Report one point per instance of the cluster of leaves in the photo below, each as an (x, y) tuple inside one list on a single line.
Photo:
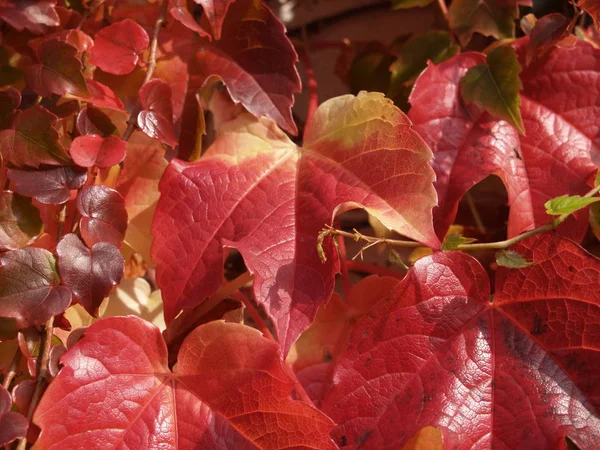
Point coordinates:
[(141, 142)]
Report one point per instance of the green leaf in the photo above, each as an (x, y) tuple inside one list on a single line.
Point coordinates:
[(435, 46), (453, 241), (567, 204), (488, 17), (20, 221), (395, 258), (407, 4), (495, 86), (511, 259), (597, 179), (370, 69)]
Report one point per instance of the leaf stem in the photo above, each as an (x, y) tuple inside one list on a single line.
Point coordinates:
[(372, 240), (43, 375), (476, 217), (344, 266), (132, 121), (359, 266), (12, 369), (443, 8), (88, 12)]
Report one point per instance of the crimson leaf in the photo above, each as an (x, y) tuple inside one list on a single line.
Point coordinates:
[(118, 47), (29, 290), (10, 99), (51, 187), (205, 403), (32, 140), (512, 373), (103, 215), (257, 191), (59, 71), (89, 273), (262, 76)]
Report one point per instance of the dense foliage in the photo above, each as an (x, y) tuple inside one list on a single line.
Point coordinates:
[(152, 163)]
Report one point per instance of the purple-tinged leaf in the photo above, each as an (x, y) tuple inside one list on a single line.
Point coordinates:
[(29, 287), (12, 424), (156, 117), (103, 215), (50, 187), (89, 273)]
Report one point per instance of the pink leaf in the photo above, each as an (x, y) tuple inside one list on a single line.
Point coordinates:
[(94, 150), (118, 47)]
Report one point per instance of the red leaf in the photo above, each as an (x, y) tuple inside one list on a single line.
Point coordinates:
[(156, 117), (229, 390), (29, 290), (312, 356), (32, 140), (10, 99), (20, 221), (101, 96), (51, 187), (103, 215), (555, 156), (512, 373), (256, 191), (91, 120), (34, 15), (215, 11), (256, 61), (89, 273), (12, 424), (59, 71), (118, 47), (138, 184), (180, 12), (76, 38), (94, 150)]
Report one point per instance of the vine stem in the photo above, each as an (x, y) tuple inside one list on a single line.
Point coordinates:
[(372, 240), (12, 370), (255, 314), (184, 323), (132, 121), (443, 8), (43, 375)]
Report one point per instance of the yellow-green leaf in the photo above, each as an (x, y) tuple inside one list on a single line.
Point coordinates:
[(567, 204), (495, 86)]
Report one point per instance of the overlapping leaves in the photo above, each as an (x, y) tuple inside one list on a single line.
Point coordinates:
[(515, 372), (228, 389), (556, 156)]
